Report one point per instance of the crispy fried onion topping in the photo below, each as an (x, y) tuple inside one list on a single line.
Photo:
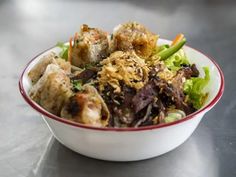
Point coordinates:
[(124, 67)]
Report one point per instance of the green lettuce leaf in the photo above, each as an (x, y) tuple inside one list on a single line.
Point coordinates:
[(77, 85), (175, 61), (64, 50), (193, 88)]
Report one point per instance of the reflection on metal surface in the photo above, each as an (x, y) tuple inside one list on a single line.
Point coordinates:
[(36, 169), (31, 8)]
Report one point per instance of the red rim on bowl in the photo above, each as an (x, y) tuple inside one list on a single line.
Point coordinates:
[(46, 113)]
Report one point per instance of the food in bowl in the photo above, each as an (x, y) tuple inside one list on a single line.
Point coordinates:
[(119, 80), (62, 78)]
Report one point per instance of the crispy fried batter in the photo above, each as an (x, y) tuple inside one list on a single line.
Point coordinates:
[(90, 45), (134, 36)]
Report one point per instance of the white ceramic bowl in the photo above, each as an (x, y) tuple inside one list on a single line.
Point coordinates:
[(128, 144)]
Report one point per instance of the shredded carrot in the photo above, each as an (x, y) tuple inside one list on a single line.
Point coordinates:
[(177, 39), (76, 36), (70, 50)]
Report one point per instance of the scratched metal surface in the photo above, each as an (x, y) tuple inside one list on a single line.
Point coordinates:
[(27, 27)]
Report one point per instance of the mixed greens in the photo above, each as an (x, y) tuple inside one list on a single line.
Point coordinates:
[(174, 58), (194, 89)]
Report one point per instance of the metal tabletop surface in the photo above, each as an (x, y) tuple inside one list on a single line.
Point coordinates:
[(27, 27)]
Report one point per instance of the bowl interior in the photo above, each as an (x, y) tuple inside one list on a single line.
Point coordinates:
[(214, 87)]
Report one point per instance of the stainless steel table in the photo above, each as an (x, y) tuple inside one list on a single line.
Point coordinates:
[(27, 27)]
